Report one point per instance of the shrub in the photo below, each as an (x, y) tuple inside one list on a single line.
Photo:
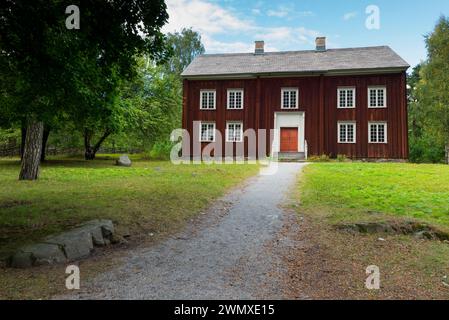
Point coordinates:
[(161, 150)]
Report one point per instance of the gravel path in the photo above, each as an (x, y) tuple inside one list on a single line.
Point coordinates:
[(228, 255)]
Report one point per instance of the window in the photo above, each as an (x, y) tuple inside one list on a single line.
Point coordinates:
[(346, 98), (377, 97), (346, 132), (207, 99), (234, 132), (207, 132), (235, 99), (377, 132), (289, 98)]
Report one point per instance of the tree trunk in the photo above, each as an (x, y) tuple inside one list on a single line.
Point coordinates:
[(91, 151), (44, 142), (32, 151), (22, 144)]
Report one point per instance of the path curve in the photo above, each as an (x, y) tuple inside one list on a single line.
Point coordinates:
[(229, 256)]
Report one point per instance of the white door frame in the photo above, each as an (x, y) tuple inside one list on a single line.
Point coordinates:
[(288, 120)]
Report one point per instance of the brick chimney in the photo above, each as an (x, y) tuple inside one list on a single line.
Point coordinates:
[(320, 44), (259, 47)]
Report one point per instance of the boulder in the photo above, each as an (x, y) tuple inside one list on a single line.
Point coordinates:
[(123, 161), (68, 246), (36, 255)]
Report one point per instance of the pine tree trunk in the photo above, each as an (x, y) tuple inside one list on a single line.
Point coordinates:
[(44, 142), (22, 143), (32, 151)]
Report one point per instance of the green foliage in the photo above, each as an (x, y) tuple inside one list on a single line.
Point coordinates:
[(161, 150), (429, 99), (185, 45), (321, 158), (342, 158)]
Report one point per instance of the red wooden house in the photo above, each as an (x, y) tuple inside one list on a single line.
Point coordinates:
[(338, 101)]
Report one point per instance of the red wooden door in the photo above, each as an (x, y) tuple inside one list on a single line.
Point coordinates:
[(289, 139)]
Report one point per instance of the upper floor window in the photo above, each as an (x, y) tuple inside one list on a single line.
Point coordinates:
[(377, 97), (207, 99), (377, 132), (235, 99), (234, 132), (346, 98), (207, 131), (346, 132), (289, 98)]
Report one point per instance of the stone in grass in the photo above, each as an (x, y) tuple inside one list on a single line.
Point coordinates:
[(76, 244), (101, 231), (123, 161), (36, 255)]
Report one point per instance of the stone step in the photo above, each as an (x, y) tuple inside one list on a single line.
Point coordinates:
[(291, 156)]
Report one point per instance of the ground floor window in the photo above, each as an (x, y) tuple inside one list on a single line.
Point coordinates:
[(377, 132), (207, 132), (234, 132), (346, 132)]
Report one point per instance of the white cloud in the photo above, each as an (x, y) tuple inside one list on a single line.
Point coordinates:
[(203, 17), (280, 12), (349, 15), (256, 11), (215, 22)]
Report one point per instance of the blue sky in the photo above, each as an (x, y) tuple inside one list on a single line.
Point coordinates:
[(233, 25)]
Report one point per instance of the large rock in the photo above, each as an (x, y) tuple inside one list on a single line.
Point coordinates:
[(37, 254), (68, 246), (123, 161)]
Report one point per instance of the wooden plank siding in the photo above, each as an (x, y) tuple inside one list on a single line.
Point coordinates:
[(318, 99)]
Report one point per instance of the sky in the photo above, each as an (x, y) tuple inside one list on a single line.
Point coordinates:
[(233, 25)]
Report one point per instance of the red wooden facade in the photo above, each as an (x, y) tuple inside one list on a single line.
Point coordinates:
[(318, 102)]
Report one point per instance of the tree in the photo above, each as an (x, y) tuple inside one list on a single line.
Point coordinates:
[(185, 45), (57, 71), (433, 87)]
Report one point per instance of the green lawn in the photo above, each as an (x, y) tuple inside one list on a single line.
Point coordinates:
[(354, 191), (148, 197)]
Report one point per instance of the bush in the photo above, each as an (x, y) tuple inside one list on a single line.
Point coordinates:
[(161, 150), (342, 158), (322, 158)]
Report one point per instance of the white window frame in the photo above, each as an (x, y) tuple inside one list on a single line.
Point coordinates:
[(297, 98), (201, 132), (377, 132), (346, 89), (339, 124), (227, 131), (229, 99), (384, 88), (208, 91)]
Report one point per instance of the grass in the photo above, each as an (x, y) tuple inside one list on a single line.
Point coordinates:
[(155, 197), (334, 193), (364, 190)]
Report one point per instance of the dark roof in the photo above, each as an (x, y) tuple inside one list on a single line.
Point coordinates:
[(311, 61)]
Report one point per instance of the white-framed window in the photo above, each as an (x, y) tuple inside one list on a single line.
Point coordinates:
[(207, 131), (377, 132), (377, 97), (346, 98), (289, 98), (234, 132), (347, 132), (235, 99), (207, 99)]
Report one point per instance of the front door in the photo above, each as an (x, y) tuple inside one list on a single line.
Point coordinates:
[(289, 139)]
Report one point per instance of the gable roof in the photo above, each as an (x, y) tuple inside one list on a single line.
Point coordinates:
[(291, 62)]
